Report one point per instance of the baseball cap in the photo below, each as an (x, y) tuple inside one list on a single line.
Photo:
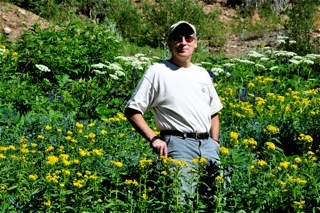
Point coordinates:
[(187, 24)]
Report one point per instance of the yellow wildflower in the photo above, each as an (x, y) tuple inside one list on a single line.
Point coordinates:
[(250, 84), (199, 160), (281, 98), (92, 135), (145, 162), (84, 152), (40, 137), (284, 164), (78, 183), (299, 204), (47, 127), (91, 124), (282, 183), (33, 177), (271, 129), (270, 145), (69, 132), (234, 138), (47, 203), (262, 163), (59, 130), (66, 172), (23, 140), (219, 178), (224, 150), (260, 101), (305, 138), (79, 125), (116, 163), (33, 145), (2, 156), (103, 132), (52, 178), (97, 152), (310, 153), (298, 160), (49, 148), (144, 196), (250, 143), (164, 173), (51, 160)]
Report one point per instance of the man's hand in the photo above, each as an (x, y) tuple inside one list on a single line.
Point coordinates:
[(160, 147)]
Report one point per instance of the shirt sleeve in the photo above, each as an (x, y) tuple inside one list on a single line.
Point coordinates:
[(143, 95), (215, 103)]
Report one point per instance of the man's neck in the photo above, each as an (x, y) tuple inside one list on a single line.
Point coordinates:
[(180, 63)]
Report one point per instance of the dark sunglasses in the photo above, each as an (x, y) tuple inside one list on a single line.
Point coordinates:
[(179, 38)]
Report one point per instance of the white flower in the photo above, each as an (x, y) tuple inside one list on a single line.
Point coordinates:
[(99, 72), (293, 61), (156, 58), (273, 68), (2, 51), (292, 42), (144, 59), (285, 53), (114, 77), (260, 65), (264, 59), (206, 63), (139, 55), (280, 41), (115, 67), (217, 70), (307, 61), (255, 54), (119, 73), (247, 61), (43, 68), (282, 37), (228, 64), (98, 66), (297, 57), (312, 56)]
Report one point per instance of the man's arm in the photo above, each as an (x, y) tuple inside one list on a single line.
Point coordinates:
[(215, 127), (140, 125)]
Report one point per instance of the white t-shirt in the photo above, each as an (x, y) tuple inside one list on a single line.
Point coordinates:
[(183, 99)]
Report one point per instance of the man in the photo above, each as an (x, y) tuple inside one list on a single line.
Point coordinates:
[(184, 101)]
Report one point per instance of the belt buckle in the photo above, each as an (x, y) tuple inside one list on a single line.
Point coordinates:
[(196, 136)]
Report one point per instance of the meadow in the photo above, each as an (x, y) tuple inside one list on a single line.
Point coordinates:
[(67, 147)]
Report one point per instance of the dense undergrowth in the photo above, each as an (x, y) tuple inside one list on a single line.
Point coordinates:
[(66, 146)]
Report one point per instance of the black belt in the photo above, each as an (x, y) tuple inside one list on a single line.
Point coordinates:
[(185, 135)]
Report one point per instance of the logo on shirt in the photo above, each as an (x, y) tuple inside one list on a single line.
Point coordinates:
[(204, 88)]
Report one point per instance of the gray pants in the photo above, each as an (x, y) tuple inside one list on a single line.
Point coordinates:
[(187, 149)]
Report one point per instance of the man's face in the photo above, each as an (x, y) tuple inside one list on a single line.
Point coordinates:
[(182, 43)]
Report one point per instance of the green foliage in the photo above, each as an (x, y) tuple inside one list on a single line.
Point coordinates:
[(168, 12), (65, 146), (301, 18), (53, 10), (70, 50)]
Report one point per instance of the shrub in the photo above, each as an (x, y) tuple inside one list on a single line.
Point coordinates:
[(70, 50)]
